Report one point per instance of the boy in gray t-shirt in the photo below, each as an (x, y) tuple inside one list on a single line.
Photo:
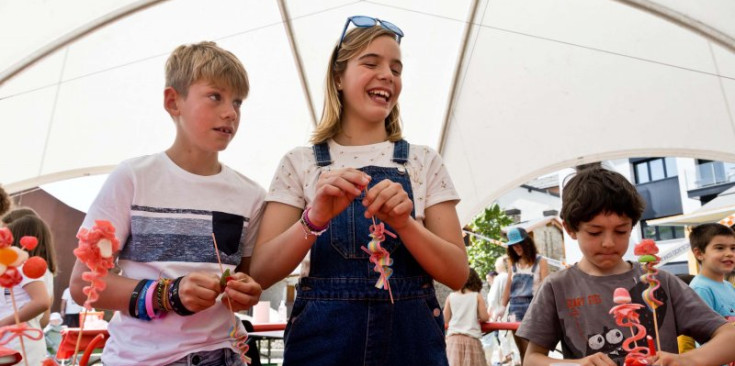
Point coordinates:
[(599, 209)]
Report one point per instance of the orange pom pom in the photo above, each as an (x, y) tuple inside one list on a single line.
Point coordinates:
[(35, 267), (8, 256)]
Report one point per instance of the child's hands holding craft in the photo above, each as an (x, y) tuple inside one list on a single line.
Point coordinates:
[(390, 203), (199, 290), (242, 291)]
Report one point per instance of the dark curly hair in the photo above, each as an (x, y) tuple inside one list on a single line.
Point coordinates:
[(474, 283), (594, 190)]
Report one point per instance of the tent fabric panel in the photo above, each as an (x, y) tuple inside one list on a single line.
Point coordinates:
[(544, 97), (603, 25)]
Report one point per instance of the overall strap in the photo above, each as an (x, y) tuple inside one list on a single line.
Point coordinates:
[(400, 151), (321, 154), (535, 264)]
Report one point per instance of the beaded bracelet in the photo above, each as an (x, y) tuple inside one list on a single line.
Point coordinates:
[(133, 305), (309, 227)]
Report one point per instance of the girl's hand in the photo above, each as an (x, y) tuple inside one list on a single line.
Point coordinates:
[(199, 291), (242, 292), (335, 190), (389, 203)]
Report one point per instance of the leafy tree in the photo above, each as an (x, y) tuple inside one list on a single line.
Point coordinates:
[(482, 253)]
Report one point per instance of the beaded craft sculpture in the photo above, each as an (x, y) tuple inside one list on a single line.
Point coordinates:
[(647, 251), (626, 315), (11, 258), (95, 249)]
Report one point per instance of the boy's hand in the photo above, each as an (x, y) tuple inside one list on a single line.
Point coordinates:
[(335, 190), (389, 203), (670, 359), (242, 292), (199, 290), (598, 359)]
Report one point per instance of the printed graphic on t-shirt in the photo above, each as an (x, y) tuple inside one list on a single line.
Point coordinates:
[(609, 340)]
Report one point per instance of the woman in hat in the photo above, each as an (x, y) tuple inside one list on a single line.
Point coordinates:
[(528, 270)]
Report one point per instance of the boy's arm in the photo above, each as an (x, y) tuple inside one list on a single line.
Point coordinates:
[(538, 356), (718, 351), (197, 290)]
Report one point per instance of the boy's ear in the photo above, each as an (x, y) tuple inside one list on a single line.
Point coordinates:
[(569, 230), (171, 101), (697, 254)]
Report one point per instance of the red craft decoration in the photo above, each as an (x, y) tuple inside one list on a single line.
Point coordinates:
[(95, 250)]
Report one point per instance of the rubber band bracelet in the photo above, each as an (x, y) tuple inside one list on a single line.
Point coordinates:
[(175, 300), (133, 305), (309, 227), (142, 315), (149, 301)]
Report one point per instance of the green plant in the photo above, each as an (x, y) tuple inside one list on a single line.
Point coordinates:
[(485, 245)]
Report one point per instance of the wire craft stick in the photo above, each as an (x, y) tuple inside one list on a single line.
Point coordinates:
[(239, 337)]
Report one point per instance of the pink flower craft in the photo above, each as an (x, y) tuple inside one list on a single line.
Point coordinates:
[(380, 257), (96, 247), (626, 315)]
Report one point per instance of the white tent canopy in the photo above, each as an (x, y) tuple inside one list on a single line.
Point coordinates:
[(506, 90)]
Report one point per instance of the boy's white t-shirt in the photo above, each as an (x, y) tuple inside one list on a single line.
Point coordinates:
[(35, 349), (294, 182), (164, 217)]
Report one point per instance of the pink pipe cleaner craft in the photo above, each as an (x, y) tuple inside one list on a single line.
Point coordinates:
[(34, 267), (626, 315), (95, 249), (239, 338), (379, 256), (647, 251)]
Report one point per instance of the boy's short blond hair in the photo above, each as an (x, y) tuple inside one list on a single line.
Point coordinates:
[(190, 63)]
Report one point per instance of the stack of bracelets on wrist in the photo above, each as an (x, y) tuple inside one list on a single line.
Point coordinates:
[(309, 227), (163, 292)]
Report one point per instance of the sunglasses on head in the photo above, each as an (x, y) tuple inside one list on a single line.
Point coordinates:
[(362, 21)]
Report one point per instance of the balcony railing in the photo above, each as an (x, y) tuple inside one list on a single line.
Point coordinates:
[(710, 174)]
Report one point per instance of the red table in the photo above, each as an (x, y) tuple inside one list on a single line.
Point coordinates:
[(488, 327), (69, 340)]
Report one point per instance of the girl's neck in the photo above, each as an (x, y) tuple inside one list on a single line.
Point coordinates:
[(355, 133)]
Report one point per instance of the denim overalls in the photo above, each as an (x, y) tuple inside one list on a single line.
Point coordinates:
[(339, 318), (521, 291)]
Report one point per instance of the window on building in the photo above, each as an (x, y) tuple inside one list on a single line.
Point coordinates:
[(662, 232), (655, 169)]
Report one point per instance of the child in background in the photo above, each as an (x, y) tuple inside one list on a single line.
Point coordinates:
[(496, 311), (599, 209), (714, 247), (322, 203), (165, 208), (32, 296), (463, 312), (528, 271), (52, 333)]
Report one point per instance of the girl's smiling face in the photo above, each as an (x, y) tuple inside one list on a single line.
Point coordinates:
[(371, 82)]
